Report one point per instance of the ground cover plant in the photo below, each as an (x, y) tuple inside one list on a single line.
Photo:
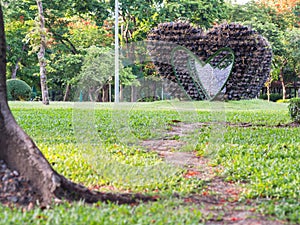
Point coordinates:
[(255, 148)]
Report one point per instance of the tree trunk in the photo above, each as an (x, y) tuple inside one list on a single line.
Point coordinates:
[(105, 93), (282, 83), (267, 85), (133, 93), (20, 153), (281, 78), (154, 89), (268, 92), (121, 92), (66, 96), (91, 91), (15, 69), (41, 55)]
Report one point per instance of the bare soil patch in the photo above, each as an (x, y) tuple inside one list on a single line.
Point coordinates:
[(220, 199)]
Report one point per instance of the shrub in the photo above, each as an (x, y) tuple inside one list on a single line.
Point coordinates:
[(294, 109), (273, 97), (149, 99), (18, 90)]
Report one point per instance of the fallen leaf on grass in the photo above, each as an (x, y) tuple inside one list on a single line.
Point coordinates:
[(190, 174), (188, 200), (205, 193), (235, 219), (232, 191)]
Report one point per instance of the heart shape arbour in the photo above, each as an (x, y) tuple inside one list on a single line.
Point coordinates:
[(252, 53), (209, 77)]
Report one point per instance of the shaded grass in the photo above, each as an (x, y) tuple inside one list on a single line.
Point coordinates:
[(162, 212)]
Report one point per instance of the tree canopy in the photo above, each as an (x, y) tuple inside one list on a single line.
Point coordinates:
[(75, 26)]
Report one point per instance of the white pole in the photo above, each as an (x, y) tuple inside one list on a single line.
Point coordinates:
[(117, 80)]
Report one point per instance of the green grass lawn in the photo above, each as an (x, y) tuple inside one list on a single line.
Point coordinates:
[(98, 145)]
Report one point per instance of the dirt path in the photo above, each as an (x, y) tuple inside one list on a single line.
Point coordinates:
[(219, 200)]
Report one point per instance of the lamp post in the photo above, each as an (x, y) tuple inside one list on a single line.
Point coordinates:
[(117, 78)]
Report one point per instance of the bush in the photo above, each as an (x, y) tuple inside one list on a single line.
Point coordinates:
[(273, 97), (294, 109), (18, 90), (149, 99)]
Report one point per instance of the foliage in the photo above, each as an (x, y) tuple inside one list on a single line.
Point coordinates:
[(137, 18), (86, 33), (294, 109), (17, 47), (18, 90), (203, 13), (64, 70), (98, 70), (293, 49), (149, 99), (278, 27), (77, 25), (273, 97), (20, 18), (281, 6)]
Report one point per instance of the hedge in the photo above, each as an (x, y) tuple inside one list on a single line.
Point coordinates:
[(18, 90), (294, 109)]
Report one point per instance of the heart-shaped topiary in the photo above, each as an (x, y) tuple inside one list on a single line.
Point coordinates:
[(209, 77), (252, 57)]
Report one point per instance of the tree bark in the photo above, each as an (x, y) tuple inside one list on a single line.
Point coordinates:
[(20, 153), (282, 81), (268, 84), (68, 90), (15, 69), (268, 92), (121, 92), (41, 55), (105, 93), (91, 90), (133, 93)]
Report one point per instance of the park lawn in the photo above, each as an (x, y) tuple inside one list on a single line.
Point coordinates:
[(79, 139)]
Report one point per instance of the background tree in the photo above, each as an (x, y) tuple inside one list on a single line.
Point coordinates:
[(41, 54), (203, 13), (66, 62), (97, 72), (64, 71), (59, 18), (275, 25), (76, 25), (17, 48)]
